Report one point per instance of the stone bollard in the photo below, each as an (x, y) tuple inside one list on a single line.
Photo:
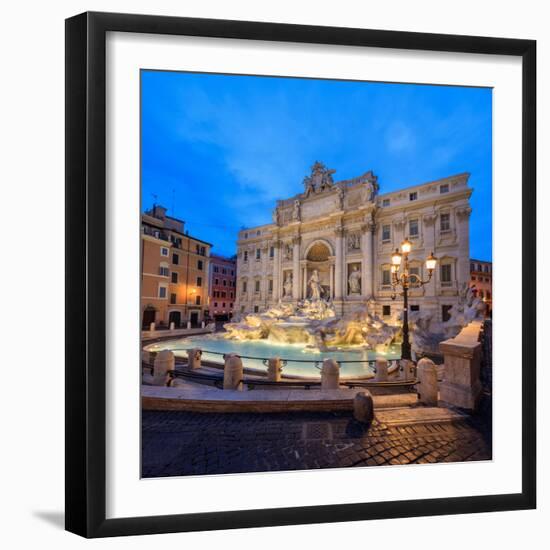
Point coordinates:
[(427, 381), (194, 358), (381, 370), (274, 369), (164, 362), (172, 325), (202, 324), (188, 325), (409, 370), (363, 407), (330, 375), (233, 373), (152, 327)]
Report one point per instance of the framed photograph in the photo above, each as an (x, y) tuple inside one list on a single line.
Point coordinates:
[(299, 274)]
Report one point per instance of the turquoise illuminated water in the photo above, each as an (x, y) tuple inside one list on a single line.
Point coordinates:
[(260, 349)]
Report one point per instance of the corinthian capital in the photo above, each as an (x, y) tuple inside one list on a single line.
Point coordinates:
[(296, 239), (463, 213)]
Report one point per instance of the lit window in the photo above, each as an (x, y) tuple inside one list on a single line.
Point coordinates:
[(445, 222), (163, 251), (413, 228), (413, 196), (444, 188), (386, 233)]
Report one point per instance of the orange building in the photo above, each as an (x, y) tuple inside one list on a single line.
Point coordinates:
[(481, 280), (223, 282), (174, 272)]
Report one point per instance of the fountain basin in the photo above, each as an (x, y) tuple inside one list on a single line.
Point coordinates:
[(301, 359)]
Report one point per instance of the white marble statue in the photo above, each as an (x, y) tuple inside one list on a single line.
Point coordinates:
[(315, 286), (354, 281), (287, 285)]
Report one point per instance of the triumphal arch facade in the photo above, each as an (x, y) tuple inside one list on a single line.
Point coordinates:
[(335, 239)]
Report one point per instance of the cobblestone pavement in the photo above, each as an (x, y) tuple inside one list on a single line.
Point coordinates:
[(180, 443)]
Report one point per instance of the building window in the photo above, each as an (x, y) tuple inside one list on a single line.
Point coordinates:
[(472, 267), (386, 233), (163, 251), (224, 282), (223, 304), (199, 265), (413, 196), (386, 280), (162, 292), (445, 312), (244, 286), (444, 188), (413, 228), (258, 253), (199, 281), (386, 311), (172, 298), (415, 307), (246, 235), (385, 202), (216, 281), (164, 271), (445, 273), (245, 256), (215, 304), (270, 285), (198, 300), (257, 286), (445, 222), (486, 268), (175, 259), (231, 305), (271, 253), (414, 270), (216, 269), (174, 276), (256, 309)]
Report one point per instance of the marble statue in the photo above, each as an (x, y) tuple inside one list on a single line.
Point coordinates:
[(354, 281), (287, 285), (288, 252), (315, 286), (296, 211)]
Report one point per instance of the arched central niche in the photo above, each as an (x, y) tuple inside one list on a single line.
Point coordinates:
[(317, 258), (319, 252)]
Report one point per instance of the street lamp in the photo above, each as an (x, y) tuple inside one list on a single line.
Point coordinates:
[(401, 276)]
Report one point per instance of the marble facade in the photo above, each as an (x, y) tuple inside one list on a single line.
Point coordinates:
[(336, 238)]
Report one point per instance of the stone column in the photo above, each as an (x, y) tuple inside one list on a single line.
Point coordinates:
[(303, 263), (164, 362), (338, 264), (428, 231), (276, 268), (332, 280), (463, 235), (296, 268), (233, 373), (427, 382), (330, 375), (368, 261)]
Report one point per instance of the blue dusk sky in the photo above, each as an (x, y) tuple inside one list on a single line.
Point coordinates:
[(219, 150)]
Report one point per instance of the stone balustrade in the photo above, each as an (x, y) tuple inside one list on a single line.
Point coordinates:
[(461, 385)]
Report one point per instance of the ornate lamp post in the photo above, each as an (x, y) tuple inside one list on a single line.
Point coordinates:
[(401, 276)]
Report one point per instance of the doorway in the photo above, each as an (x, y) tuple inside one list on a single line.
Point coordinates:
[(174, 317)]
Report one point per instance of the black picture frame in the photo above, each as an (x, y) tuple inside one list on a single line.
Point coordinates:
[(86, 284)]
